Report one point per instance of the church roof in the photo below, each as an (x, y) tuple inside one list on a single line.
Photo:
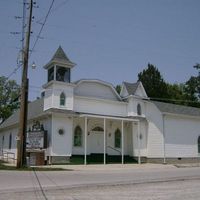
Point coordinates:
[(35, 109), (177, 109), (131, 87), (60, 57)]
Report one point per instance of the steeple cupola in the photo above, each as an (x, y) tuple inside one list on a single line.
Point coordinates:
[(59, 67)]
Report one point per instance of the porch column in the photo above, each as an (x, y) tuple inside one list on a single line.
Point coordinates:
[(138, 139), (104, 141), (164, 149), (122, 142), (85, 156)]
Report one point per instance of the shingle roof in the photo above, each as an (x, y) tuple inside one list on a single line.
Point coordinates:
[(131, 87), (35, 109), (177, 109), (60, 56)]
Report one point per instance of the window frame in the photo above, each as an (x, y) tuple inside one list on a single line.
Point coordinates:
[(78, 137), (118, 138), (139, 109), (62, 99), (198, 145), (10, 141)]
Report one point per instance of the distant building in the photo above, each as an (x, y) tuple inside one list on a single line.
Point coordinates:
[(89, 117)]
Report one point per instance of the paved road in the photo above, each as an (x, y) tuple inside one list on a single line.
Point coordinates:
[(173, 190), (149, 183)]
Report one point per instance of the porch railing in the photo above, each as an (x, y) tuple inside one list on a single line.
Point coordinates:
[(115, 149), (8, 155)]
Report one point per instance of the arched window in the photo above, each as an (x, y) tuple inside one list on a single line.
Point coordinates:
[(62, 99), (117, 138), (139, 109), (199, 144), (10, 141), (78, 136)]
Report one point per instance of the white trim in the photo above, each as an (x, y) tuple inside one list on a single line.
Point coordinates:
[(141, 85), (57, 62), (136, 97), (108, 117), (52, 82), (122, 136), (85, 156), (164, 148), (138, 139), (122, 89), (54, 72), (51, 151), (104, 141)]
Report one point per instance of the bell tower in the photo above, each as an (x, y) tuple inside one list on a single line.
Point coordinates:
[(59, 91), (59, 67)]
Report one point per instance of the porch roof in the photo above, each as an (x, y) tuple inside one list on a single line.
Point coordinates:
[(126, 118), (92, 115)]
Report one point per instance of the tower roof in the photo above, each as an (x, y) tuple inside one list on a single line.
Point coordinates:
[(60, 58)]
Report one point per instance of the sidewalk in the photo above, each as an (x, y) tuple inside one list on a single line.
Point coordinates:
[(111, 167)]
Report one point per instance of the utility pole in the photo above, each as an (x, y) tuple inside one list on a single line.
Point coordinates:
[(21, 143)]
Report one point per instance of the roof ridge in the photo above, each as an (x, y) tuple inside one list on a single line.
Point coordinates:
[(60, 54)]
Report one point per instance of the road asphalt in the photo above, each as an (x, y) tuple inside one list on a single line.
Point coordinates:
[(91, 182)]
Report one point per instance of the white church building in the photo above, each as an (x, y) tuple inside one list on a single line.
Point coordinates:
[(88, 117)]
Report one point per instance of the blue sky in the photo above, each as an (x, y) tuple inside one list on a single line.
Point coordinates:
[(112, 40)]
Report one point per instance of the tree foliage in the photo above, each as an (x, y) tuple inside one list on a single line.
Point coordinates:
[(158, 89), (153, 82), (192, 86), (9, 95), (118, 88)]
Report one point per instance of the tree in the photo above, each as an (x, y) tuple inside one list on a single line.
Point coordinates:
[(153, 82), (118, 88), (9, 97), (192, 86)]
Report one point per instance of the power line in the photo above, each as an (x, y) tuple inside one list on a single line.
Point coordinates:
[(38, 36), (61, 4), (175, 100), (53, 10), (22, 39), (14, 71)]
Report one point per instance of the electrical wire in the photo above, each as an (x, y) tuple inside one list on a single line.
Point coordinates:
[(38, 36), (175, 100)]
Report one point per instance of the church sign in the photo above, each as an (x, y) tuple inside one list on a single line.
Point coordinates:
[(36, 138)]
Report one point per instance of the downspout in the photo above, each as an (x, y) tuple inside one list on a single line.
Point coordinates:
[(164, 148)]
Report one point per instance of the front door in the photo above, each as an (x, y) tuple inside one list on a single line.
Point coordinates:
[(96, 142)]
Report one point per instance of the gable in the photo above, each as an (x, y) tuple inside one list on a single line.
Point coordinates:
[(124, 92), (136, 89), (140, 91), (96, 89)]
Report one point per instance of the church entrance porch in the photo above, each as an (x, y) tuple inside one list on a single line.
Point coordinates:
[(104, 139)]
